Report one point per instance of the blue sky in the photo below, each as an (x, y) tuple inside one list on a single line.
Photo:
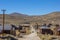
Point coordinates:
[(30, 7)]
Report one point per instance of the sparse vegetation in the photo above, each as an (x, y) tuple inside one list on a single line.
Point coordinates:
[(48, 37), (17, 18)]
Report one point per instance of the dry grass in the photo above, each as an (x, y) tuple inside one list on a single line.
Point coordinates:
[(28, 32), (50, 18), (48, 37)]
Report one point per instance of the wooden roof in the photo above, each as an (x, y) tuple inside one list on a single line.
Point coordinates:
[(23, 25)]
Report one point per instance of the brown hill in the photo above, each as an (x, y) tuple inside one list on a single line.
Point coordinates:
[(53, 17), (17, 18)]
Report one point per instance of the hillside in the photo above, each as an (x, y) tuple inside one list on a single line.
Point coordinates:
[(17, 18)]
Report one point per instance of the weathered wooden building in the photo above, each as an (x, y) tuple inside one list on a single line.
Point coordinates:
[(50, 29), (46, 30), (57, 29), (8, 29), (24, 28)]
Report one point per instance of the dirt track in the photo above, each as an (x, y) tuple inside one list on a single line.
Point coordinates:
[(32, 36)]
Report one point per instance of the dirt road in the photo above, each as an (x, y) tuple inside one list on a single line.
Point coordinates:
[(32, 36)]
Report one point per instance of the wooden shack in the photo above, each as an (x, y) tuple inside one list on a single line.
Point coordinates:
[(13, 29), (46, 30), (57, 29), (8, 29), (24, 28)]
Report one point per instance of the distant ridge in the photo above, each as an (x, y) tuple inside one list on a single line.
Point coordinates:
[(18, 14), (17, 18)]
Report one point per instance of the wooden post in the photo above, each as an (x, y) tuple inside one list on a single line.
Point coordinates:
[(37, 25), (3, 19)]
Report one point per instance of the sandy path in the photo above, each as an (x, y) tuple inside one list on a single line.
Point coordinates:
[(32, 36)]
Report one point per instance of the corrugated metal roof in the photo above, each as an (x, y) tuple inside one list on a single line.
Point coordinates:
[(44, 27), (25, 24), (6, 27)]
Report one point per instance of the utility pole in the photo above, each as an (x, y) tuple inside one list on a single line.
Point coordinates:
[(3, 10), (37, 25)]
